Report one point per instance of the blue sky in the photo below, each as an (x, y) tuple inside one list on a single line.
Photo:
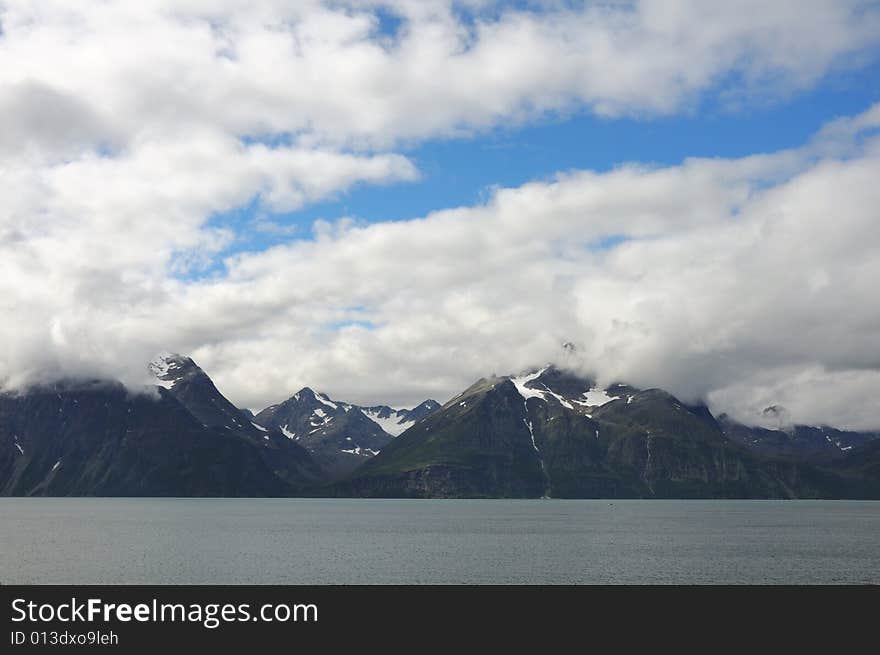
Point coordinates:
[(462, 171)]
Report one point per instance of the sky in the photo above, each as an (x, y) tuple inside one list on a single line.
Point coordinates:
[(388, 200)]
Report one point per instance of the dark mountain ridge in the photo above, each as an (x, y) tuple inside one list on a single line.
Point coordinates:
[(545, 433), (98, 439), (552, 433)]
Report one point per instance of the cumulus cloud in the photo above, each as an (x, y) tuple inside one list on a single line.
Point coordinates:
[(326, 73), (128, 127), (745, 282)]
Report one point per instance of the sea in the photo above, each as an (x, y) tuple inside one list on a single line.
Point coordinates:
[(367, 541)]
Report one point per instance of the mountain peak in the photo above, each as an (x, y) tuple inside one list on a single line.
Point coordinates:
[(305, 392), (169, 368), (308, 394)]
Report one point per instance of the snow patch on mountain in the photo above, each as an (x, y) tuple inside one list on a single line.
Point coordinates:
[(391, 424), (363, 452), (164, 368), (521, 381), (562, 401), (319, 418), (596, 398), (325, 399)]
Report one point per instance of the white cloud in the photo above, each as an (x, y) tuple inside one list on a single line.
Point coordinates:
[(811, 394), (125, 127), (322, 72), (746, 282)]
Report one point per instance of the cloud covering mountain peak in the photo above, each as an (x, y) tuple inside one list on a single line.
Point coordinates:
[(130, 127)]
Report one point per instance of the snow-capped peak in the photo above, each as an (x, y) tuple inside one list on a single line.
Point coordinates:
[(163, 368), (592, 397), (168, 368), (520, 382)]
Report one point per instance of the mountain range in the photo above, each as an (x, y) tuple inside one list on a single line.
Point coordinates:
[(340, 436), (544, 433)]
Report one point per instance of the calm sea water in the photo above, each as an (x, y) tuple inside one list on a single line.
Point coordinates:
[(291, 541)]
